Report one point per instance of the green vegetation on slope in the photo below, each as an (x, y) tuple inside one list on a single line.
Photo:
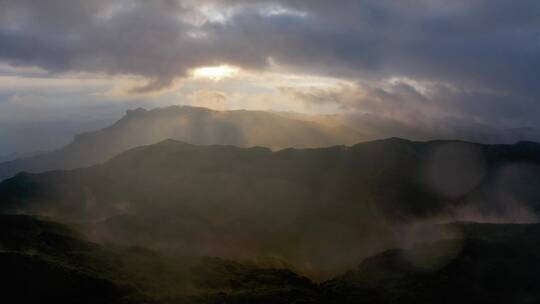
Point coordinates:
[(43, 261)]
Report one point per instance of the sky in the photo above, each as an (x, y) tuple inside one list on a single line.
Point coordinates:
[(464, 65)]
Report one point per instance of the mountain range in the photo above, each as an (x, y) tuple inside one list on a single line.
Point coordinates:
[(242, 128), (321, 210), (190, 124), (190, 205)]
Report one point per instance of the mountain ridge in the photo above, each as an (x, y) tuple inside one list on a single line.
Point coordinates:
[(191, 124)]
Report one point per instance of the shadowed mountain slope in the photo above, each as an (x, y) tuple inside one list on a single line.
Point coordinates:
[(46, 262), (43, 261), (304, 206), (492, 263)]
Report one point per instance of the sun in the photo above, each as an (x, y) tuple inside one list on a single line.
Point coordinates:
[(215, 72)]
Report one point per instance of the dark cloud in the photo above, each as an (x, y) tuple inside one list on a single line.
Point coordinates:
[(487, 51)]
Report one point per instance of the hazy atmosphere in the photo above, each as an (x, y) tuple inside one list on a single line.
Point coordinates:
[(270, 152), (462, 69)]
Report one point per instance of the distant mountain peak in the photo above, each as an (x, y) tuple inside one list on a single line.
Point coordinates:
[(136, 111)]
